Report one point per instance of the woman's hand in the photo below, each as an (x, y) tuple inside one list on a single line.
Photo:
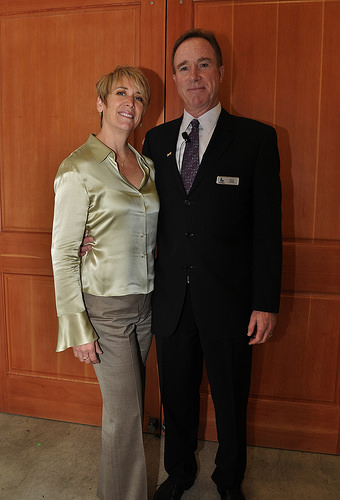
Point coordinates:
[(86, 244), (88, 353)]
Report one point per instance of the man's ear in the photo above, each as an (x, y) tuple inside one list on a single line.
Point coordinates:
[(221, 70)]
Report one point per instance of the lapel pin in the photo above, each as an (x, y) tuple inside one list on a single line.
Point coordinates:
[(169, 154)]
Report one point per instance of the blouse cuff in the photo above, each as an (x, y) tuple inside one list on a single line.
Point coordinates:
[(75, 329)]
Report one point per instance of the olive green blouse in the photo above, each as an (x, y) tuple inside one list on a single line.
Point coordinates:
[(92, 194)]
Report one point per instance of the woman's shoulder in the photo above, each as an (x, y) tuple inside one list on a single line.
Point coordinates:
[(77, 160)]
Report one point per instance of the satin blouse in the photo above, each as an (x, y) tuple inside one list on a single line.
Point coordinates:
[(92, 194)]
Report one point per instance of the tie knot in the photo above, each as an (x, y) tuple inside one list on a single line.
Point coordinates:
[(195, 123)]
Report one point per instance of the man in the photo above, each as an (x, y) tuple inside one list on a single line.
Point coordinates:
[(218, 265)]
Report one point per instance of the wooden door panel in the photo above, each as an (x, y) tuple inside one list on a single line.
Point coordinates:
[(281, 67), (247, 79), (293, 425), (34, 354), (311, 266), (52, 53), (54, 398), (297, 108), (66, 52), (302, 359), (327, 213)]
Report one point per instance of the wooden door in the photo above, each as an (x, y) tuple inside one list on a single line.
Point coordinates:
[(282, 67), (52, 54)]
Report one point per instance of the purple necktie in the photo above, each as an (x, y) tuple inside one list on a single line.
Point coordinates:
[(190, 160)]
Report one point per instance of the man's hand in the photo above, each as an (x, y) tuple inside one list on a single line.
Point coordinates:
[(261, 326), (88, 353), (86, 245)]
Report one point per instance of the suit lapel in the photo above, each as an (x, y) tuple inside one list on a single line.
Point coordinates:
[(169, 146), (219, 142)]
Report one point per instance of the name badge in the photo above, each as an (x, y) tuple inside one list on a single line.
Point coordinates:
[(227, 181)]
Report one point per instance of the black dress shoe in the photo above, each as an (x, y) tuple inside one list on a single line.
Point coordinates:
[(169, 490), (234, 494)]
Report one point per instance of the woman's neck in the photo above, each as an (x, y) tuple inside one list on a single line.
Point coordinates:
[(117, 142)]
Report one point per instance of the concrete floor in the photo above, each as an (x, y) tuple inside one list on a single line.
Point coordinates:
[(44, 459)]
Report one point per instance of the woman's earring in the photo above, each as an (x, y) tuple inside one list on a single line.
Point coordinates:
[(141, 124)]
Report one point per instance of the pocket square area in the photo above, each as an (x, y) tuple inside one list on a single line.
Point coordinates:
[(227, 181)]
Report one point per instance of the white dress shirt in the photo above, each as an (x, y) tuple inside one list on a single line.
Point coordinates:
[(207, 126)]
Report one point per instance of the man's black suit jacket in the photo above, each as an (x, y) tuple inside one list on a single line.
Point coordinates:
[(225, 234)]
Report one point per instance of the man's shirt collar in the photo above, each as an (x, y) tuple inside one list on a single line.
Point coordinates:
[(207, 121)]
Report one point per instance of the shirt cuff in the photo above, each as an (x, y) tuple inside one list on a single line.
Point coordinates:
[(75, 329)]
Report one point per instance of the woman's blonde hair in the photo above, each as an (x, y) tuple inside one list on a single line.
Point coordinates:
[(107, 82)]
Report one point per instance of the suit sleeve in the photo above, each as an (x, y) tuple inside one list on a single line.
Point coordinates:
[(146, 146), (267, 237)]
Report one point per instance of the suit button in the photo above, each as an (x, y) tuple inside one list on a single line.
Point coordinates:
[(189, 235), (187, 203)]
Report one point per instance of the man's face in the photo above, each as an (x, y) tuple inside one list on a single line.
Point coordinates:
[(197, 75)]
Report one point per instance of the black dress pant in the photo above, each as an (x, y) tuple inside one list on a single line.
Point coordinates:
[(228, 366)]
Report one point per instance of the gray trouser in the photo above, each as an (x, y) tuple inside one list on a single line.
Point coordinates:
[(123, 325)]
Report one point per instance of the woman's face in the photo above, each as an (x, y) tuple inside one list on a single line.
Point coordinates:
[(124, 108)]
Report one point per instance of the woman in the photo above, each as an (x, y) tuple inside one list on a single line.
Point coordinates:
[(107, 188)]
